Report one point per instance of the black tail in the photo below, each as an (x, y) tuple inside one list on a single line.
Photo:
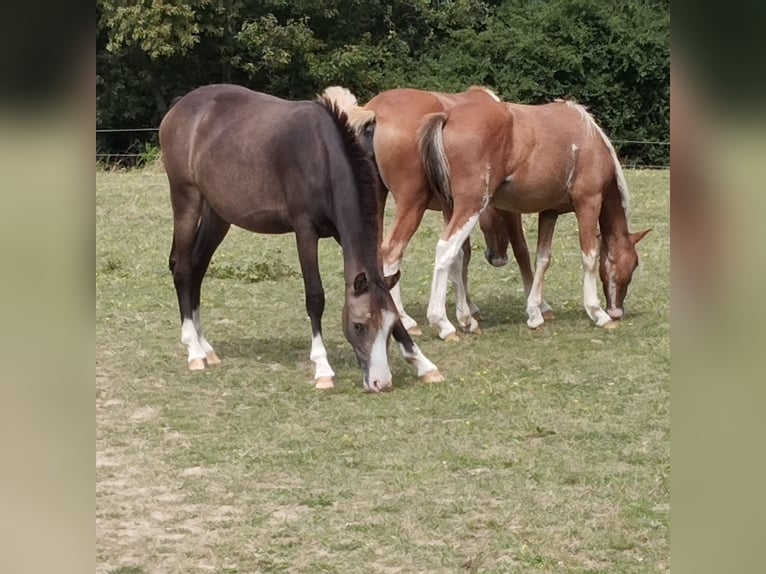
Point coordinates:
[(433, 156)]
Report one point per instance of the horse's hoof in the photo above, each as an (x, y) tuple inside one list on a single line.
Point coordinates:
[(476, 331), (549, 315), (197, 365), (324, 383), (415, 331), (452, 338), (213, 359), (477, 315), (432, 377), (610, 325)]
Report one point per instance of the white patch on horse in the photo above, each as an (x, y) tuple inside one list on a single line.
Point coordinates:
[(417, 358), (590, 290), (191, 340), (318, 356), (396, 294), (535, 302), (611, 283), (446, 252), (572, 168), (207, 347), (379, 369)]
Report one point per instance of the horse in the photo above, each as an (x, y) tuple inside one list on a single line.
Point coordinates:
[(388, 124), (548, 159), (238, 157), (501, 228)]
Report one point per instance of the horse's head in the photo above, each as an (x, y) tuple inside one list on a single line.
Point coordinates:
[(369, 315), (618, 261), (496, 238)]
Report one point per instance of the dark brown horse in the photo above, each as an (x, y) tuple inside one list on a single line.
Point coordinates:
[(234, 156), (391, 120), (548, 159)]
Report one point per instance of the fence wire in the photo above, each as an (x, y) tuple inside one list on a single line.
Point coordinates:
[(138, 155)]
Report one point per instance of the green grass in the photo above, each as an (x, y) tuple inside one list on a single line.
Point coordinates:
[(544, 451)]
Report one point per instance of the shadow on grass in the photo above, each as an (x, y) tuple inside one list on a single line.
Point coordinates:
[(286, 350)]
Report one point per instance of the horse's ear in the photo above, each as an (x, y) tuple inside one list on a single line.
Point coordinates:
[(636, 237), (392, 280), (360, 283)]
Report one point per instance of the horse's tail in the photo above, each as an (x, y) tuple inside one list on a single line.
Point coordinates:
[(619, 175), (433, 156), (359, 118)]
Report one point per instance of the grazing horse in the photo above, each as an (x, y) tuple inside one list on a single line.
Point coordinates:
[(234, 156), (547, 159), (500, 228), (389, 125)]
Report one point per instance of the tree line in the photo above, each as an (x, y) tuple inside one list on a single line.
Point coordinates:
[(613, 57)]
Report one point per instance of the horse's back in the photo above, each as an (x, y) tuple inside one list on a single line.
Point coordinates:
[(216, 110), (245, 151), (555, 149)]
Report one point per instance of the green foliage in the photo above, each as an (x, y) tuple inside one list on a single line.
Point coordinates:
[(149, 155), (612, 57), (268, 267)]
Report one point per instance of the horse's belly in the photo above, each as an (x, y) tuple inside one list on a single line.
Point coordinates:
[(257, 220), (529, 199), (264, 223)]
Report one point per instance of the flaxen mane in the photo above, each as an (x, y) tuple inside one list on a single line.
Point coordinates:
[(358, 117)]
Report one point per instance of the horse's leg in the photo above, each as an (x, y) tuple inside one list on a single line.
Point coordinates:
[(587, 212), (458, 274), (473, 307), (515, 230), (382, 197), (546, 225), (187, 209), (427, 371), (411, 204), (448, 249), (307, 240), (212, 229)]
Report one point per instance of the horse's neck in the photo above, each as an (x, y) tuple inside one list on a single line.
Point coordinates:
[(613, 221), (359, 244)]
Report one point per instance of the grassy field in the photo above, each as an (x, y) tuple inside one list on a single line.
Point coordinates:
[(544, 451)]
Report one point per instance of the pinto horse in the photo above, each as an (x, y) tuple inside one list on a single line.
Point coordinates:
[(234, 156), (389, 124), (547, 159)]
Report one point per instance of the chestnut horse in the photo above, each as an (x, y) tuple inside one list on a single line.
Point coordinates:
[(547, 159), (389, 124), (234, 156)]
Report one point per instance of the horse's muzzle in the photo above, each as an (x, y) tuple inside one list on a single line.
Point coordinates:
[(377, 386), (494, 259), (615, 313)]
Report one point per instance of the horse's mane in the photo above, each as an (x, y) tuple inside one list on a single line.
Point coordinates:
[(485, 89), (591, 127), (364, 173)]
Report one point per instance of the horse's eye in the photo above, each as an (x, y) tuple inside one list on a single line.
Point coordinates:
[(360, 327)]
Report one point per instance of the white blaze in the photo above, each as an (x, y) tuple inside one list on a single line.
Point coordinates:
[(379, 370)]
